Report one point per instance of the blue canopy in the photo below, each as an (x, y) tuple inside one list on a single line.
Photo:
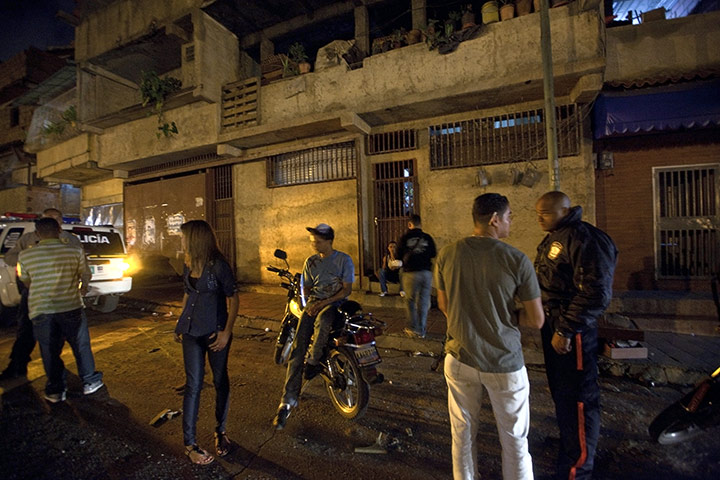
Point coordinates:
[(670, 107)]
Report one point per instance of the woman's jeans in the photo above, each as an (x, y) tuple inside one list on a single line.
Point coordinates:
[(194, 351)]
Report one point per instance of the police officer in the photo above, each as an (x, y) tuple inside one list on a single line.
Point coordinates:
[(575, 264)]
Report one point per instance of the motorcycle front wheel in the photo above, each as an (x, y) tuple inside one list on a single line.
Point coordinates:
[(673, 425), (284, 342), (348, 390)]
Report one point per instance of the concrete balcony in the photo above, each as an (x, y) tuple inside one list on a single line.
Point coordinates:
[(72, 161), (500, 67)]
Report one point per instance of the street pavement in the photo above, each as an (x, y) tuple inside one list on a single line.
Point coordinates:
[(672, 358)]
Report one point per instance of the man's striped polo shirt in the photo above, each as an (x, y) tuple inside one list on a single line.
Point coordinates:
[(53, 269)]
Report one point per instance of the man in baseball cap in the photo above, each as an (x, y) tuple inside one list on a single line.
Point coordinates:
[(327, 281)]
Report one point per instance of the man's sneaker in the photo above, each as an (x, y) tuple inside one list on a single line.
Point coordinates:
[(89, 388), (412, 333), (312, 370), (55, 397), (282, 415), (382, 294)]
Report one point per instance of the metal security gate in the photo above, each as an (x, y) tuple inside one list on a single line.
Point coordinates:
[(395, 188), (687, 221), (220, 209)]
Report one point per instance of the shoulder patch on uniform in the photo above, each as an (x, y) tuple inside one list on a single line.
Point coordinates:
[(555, 249)]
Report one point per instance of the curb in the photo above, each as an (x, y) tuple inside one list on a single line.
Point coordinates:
[(646, 373)]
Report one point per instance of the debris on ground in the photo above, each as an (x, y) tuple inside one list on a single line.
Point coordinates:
[(164, 416), (376, 448)]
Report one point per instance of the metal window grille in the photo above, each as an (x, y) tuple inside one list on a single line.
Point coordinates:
[(197, 160), (687, 221), (190, 53), (223, 187), (313, 165), (395, 141), (220, 209), (503, 138)]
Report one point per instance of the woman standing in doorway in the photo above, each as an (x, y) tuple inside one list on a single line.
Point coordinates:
[(205, 326)]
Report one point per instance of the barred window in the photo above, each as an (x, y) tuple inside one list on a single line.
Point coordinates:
[(504, 138), (387, 142), (313, 165)]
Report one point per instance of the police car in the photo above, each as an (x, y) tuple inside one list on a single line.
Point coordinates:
[(106, 255)]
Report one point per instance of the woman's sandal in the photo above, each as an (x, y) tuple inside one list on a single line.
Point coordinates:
[(222, 444), (198, 456)]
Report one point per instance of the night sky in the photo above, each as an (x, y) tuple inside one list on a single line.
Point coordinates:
[(25, 23)]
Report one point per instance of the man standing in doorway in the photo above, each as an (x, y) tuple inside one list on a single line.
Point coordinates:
[(52, 271), (25, 340), (327, 280), (416, 250), (478, 279), (575, 264)]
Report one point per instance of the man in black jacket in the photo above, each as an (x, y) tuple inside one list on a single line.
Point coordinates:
[(416, 249), (575, 264)]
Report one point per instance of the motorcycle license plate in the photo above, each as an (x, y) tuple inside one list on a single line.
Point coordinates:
[(367, 355)]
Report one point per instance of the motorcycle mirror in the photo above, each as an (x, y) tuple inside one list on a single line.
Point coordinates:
[(280, 254)]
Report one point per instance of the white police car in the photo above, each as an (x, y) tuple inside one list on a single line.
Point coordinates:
[(106, 255)]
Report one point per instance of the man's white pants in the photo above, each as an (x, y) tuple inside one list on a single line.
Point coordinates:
[(509, 396)]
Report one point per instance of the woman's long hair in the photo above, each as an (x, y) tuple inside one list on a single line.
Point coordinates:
[(199, 244)]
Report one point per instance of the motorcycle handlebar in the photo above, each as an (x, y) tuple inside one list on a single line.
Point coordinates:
[(273, 269)]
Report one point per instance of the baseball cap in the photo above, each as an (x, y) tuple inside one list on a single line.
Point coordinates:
[(323, 230)]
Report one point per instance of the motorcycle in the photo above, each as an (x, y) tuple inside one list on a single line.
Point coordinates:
[(349, 364), (698, 410)]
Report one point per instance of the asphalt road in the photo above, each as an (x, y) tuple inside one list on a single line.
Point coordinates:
[(107, 435)]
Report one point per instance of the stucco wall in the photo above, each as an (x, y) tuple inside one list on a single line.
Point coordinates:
[(14, 200), (217, 57), (666, 47), (197, 124), (122, 21), (101, 193), (270, 218)]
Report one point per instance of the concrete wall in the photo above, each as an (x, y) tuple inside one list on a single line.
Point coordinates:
[(503, 54), (101, 193), (270, 218), (681, 45), (217, 57), (123, 21), (101, 96), (14, 200), (73, 152), (197, 124)]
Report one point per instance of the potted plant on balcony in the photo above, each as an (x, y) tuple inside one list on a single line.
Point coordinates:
[(468, 17), (507, 10), (523, 7), (490, 12), (155, 90), (297, 54)]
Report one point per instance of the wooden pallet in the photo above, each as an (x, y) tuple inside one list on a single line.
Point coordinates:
[(240, 103)]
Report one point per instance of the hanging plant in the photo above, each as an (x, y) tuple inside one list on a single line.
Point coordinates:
[(155, 90), (68, 117)]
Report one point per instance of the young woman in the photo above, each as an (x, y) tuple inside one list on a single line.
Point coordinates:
[(204, 328), (390, 271)]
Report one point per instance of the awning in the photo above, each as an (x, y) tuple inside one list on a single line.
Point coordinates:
[(667, 108)]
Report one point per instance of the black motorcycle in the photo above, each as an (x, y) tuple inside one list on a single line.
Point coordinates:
[(698, 410), (350, 355)]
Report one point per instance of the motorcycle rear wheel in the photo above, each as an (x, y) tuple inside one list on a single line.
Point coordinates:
[(673, 425), (349, 392)]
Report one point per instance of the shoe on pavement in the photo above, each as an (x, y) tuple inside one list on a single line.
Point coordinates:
[(90, 388), (312, 370), (13, 372), (282, 415), (382, 294), (55, 397), (412, 333)]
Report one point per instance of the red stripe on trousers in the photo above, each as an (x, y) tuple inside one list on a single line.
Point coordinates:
[(581, 439)]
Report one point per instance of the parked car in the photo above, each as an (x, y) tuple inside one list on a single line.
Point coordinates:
[(106, 254)]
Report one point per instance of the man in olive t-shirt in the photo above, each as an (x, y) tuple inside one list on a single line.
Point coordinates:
[(478, 279)]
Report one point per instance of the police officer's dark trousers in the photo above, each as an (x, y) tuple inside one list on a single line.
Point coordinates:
[(25, 339), (573, 380)]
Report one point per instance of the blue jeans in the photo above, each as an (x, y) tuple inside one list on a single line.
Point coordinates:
[(417, 286), (194, 351), (387, 275), (51, 331), (322, 322)]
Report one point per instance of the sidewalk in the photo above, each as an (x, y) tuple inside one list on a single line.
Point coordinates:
[(672, 358)]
